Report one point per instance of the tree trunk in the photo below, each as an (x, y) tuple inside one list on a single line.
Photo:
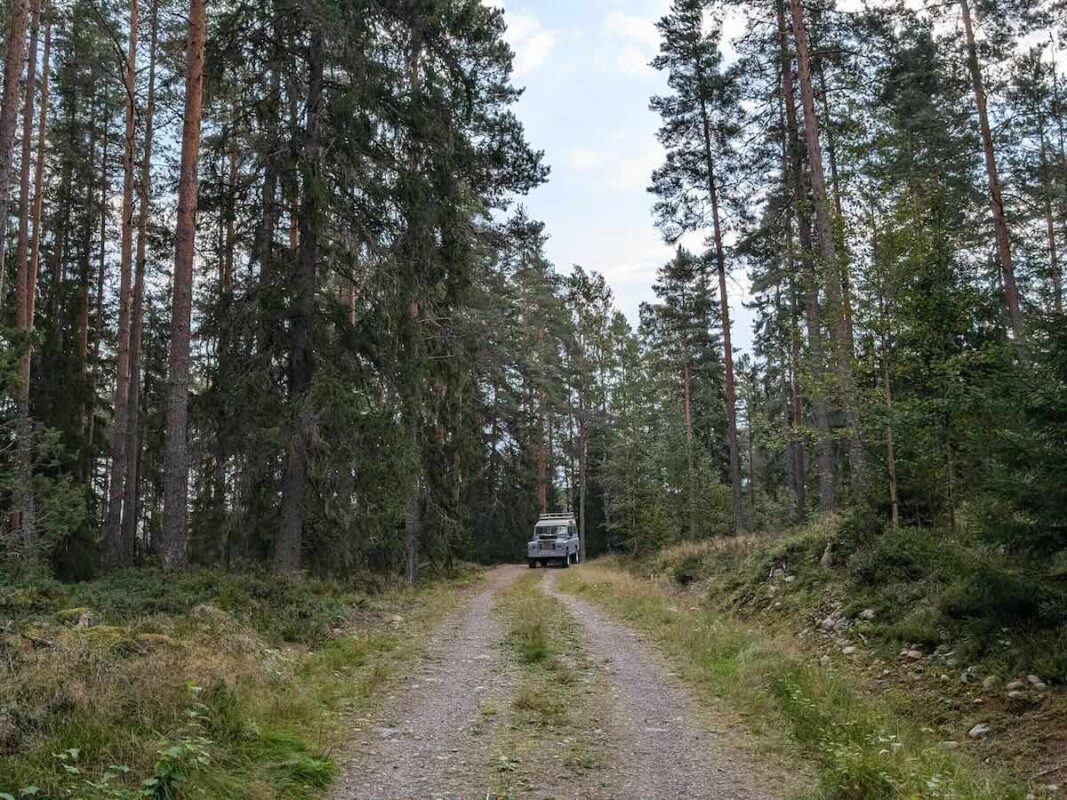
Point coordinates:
[(55, 332), (13, 56), (175, 455), (996, 198), (1050, 227), (890, 456), (583, 440), (302, 359), (541, 457), (131, 501), (24, 291), (724, 310), (820, 414), (835, 186), (828, 253), (117, 552), (98, 298)]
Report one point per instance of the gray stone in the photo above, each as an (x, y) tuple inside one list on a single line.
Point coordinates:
[(981, 730)]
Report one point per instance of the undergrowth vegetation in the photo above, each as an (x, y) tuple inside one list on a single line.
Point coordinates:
[(940, 589), (860, 748), (208, 684)]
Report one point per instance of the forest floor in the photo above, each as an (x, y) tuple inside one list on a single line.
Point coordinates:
[(705, 673)]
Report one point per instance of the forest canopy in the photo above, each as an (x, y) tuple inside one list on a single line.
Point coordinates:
[(270, 297)]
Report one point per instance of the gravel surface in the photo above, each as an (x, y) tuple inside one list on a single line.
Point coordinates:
[(431, 738), (432, 741), (666, 748)]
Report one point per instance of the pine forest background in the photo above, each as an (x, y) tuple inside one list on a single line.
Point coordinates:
[(270, 297)]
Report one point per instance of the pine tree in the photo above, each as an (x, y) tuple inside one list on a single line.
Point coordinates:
[(698, 125)]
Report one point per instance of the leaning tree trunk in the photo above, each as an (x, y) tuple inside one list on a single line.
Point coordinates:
[(287, 545), (131, 500), (18, 17), (996, 197), (175, 452), (819, 411), (117, 551), (23, 300), (828, 253)]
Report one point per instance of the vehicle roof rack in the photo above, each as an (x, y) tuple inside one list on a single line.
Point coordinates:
[(565, 515)]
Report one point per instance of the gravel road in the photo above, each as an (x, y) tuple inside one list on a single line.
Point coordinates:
[(665, 747), (432, 740)]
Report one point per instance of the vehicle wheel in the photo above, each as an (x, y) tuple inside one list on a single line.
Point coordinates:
[(531, 563), (566, 562)]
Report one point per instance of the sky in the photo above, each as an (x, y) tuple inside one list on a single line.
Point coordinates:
[(584, 66)]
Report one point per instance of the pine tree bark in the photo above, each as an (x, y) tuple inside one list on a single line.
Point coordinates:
[(175, 454), (288, 542), (820, 415), (18, 18), (1055, 273), (843, 356), (996, 196), (55, 271), (131, 499), (24, 300), (724, 312), (890, 453), (117, 551), (98, 300)]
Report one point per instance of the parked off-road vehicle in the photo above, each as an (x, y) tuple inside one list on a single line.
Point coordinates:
[(555, 540)]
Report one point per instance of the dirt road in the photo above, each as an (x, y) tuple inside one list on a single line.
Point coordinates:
[(435, 737)]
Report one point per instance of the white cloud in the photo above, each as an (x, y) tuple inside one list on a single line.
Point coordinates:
[(634, 61), (634, 170), (633, 28), (529, 38), (632, 41), (584, 158)]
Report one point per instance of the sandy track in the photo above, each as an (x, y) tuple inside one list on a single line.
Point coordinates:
[(664, 747), (432, 742)]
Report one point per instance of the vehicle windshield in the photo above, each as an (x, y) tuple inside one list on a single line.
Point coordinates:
[(552, 531)]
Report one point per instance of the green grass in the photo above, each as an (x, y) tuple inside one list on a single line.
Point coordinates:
[(216, 685), (859, 747)]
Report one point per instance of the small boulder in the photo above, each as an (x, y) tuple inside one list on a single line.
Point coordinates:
[(790, 578), (848, 651), (825, 662), (867, 614), (827, 556), (990, 682), (828, 623), (914, 655), (1013, 685), (980, 731), (950, 745), (1036, 682)]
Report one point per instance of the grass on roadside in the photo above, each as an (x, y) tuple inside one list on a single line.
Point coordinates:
[(212, 684), (862, 750)]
